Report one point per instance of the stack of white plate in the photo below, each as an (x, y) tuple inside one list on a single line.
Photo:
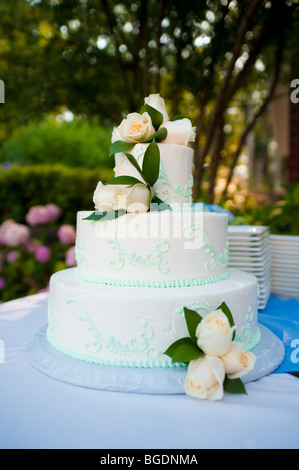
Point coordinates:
[(250, 251), (285, 265)]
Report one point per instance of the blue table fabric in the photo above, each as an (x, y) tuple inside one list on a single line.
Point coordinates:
[(281, 316)]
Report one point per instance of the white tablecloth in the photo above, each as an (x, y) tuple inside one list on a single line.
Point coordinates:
[(37, 411)]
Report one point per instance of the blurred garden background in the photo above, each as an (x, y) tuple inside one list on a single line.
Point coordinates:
[(71, 69)]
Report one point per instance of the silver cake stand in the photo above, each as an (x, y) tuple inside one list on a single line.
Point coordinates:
[(269, 354)]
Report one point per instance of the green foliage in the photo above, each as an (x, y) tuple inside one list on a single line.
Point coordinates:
[(281, 217), (79, 143), (71, 189)]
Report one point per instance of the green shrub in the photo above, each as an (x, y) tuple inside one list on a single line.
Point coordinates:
[(282, 218), (22, 187), (79, 143)]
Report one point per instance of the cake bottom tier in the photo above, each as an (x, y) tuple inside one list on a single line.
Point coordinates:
[(133, 326)]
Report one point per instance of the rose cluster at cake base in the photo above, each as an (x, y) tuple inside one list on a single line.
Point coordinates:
[(215, 361)]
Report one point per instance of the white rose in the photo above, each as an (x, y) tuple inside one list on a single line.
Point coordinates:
[(114, 197), (214, 333), (157, 102), (205, 378), (238, 362), (103, 197), (125, 167), (135, 128), (138, 199), (179, 132), (115, 135)]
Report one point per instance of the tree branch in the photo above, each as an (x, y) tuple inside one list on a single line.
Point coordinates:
[(222, 100), (257, 114), (222, 97)]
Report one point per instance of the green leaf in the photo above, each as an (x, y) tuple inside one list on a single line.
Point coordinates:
[(107, 215), (184, 350), (234, 386), (151, 163), (228, 313), (156, 116), (120, 146), (159, 136), (159, 205), (135, 164), (126, 180), (178, 116), (192, 319)]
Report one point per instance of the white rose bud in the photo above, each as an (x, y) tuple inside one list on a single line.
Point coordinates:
[(138, 199), (205, 378), (214, 333), (115, 135), (135, 128), (133, 199), (103, 197), (157, 102), (125, 167), (238, 362), (179, 132)]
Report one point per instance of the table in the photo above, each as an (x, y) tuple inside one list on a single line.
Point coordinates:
[(39, 412)]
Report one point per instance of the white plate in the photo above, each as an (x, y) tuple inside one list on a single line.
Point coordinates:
[(286, 286), (278, 260), (285, 253), (280, 269), (249, 241), (250, 261), (285, 238), (253, 268), (249, 248), (285, 293), (250, 254), (247, 230), (285, 281)]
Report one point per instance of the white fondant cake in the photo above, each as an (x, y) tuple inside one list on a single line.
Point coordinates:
[(133, 326), (175, 181), (123, 305), (155, 249)]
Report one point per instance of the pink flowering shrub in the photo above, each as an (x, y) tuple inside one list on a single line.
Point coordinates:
[(13, 234), (30, 253), (38, 215), (67, 234)]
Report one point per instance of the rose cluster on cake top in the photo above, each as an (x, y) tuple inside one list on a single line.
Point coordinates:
[(138, 167)]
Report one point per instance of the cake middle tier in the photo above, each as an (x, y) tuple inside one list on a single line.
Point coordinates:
[(155, 249)]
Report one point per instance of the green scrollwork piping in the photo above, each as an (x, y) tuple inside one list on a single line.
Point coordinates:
[(220, 259), (197, 306), (185, 194), (135, 345), (80, 254), (193, 282), (246, 334), (140, 261)]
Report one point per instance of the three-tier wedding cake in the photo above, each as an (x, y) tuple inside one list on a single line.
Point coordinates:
[(145, 254)]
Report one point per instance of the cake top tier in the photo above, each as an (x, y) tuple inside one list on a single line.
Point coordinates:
[(153, 161)]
